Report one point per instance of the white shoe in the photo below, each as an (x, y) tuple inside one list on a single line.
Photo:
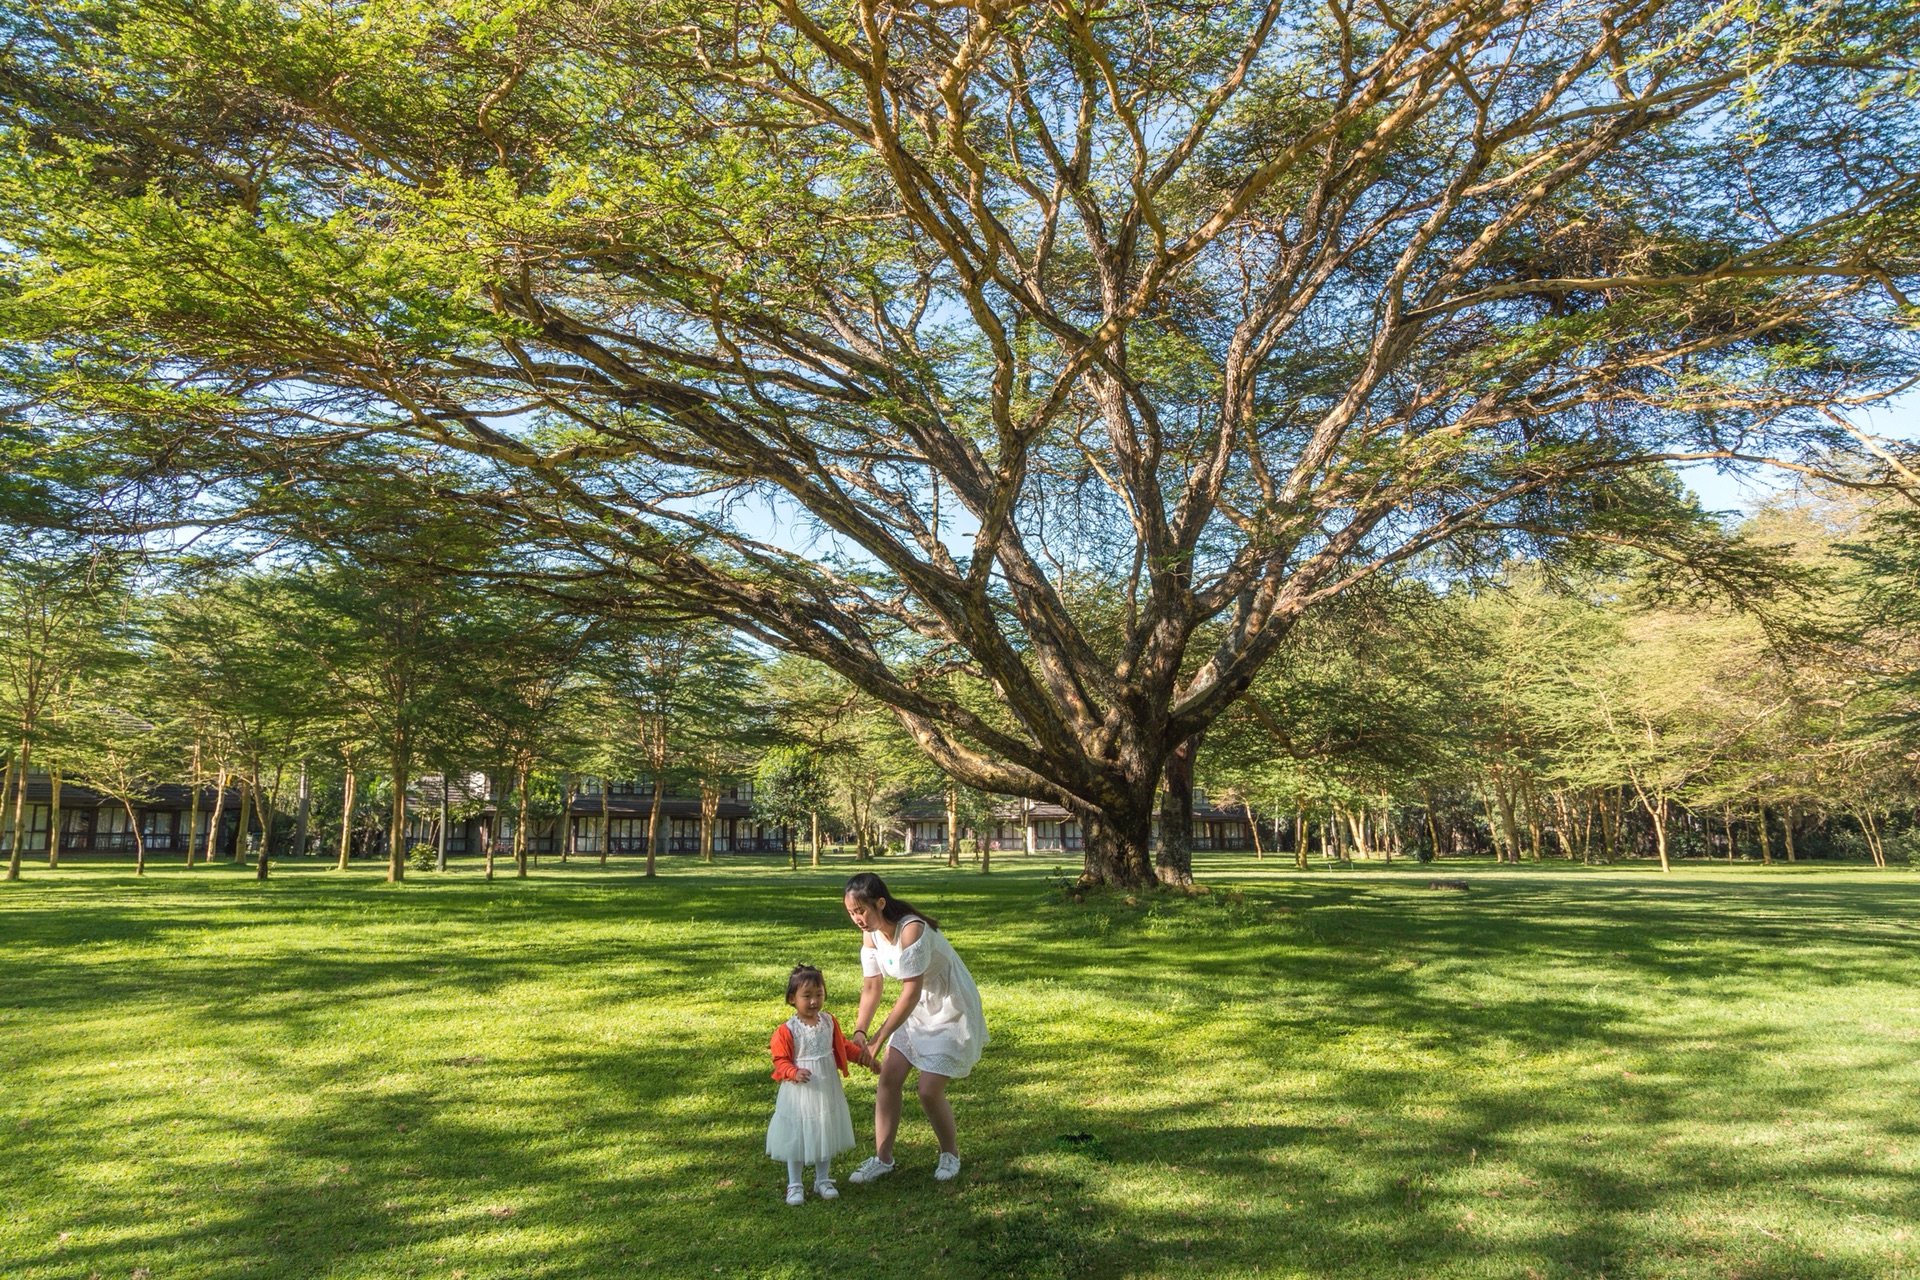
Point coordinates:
[(948, 1168), (872, 1171), (824, 1188), (796, 1194)]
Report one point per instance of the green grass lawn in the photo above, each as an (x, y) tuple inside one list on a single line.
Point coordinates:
[(1561, 1072)]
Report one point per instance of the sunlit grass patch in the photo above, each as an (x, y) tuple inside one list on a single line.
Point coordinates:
[(1561, 1072)]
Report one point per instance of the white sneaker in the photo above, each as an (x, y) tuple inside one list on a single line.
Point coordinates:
[(824, 1188), (948, 1168), (796, 1194), (872, 1171)]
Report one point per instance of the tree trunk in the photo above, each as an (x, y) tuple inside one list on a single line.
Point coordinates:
[(566, 824), (1658, 812), (397, 822), (446, 820), (1253, 825), (1433, 831), (709, 811), (1357, 829), (303, 813), (1766, 839), (1117, 854), (139, 840), (653, 821), (219, 815), (520, 822), (348, 785), (489, 834), (606, 822), (18, 809), (267, 804), (195, 779), (1300, 833), (1726, 825), (793, 847), (1173, 864), (53, 824), (1508, 826), (246, 820), (814, 814), (953, 827), (1786, 827)]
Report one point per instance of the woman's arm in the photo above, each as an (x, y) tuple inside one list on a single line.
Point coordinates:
[(870, 990)]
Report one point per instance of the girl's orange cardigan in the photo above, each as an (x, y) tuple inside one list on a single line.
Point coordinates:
[(782, 1046)]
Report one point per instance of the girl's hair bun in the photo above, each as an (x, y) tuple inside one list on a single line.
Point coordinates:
[(804, 975)]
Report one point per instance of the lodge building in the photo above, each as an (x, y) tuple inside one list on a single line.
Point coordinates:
[(89, 822), (1029, 826), (479, 811)]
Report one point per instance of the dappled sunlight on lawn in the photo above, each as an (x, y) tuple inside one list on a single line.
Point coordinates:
[(1560, 1072)]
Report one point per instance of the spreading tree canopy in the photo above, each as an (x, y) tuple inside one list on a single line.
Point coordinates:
[(1022, 309)]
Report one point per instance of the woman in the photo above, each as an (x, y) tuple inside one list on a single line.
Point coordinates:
[(935, 1027)]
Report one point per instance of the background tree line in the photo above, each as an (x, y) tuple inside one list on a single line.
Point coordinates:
[(1599, 712)]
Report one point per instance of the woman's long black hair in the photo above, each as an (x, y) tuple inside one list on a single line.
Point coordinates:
[(870, 888)]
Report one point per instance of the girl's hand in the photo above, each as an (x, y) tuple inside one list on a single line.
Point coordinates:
[(801, 1075)]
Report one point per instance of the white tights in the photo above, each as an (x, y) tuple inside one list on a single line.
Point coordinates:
[(796, 1171)]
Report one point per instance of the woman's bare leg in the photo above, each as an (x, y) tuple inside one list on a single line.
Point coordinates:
[(886, 1103), (933, 1101)]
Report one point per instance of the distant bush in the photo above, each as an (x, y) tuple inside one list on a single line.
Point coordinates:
[(423, 857)]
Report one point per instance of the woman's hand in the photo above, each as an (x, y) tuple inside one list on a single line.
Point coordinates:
[(801, 1075), (858, 1037)]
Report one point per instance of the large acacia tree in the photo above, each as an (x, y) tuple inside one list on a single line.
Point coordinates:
[(1020, 309)]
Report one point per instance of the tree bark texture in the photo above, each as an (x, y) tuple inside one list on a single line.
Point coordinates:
[(348, 783)]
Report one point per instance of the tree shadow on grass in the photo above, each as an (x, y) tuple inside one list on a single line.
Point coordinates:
[(1458, 1121)]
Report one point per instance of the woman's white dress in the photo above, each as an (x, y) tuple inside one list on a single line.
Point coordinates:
[(810, 1121), (947, 1030)]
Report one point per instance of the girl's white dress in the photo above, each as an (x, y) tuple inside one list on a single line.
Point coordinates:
[(947, 1030), (810, 1121)]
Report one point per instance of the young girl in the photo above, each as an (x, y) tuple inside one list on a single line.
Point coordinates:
[(811, 1124)]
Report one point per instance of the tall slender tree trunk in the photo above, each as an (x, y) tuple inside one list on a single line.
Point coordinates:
[(397, 821), (196, 779), (520, 822), (1253, 825), (1786, 828), (446, 820), (269, 802), (53, 824), (6, 789), (348, 785), (653, 820), (139, 840), (1509, 826), (1174, 862), (709, 811), (813, 843), (241, 840), (1726, 825), (15, 819), (1658, 813), (1300, 833), (489, 830), (303, 812), (606, 823), (1766, 839), (1433, 830), (219, 816), (566, 823), (953, 826)]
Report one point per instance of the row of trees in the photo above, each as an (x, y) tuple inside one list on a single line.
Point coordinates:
[(1594, 715), (1607, 713)]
